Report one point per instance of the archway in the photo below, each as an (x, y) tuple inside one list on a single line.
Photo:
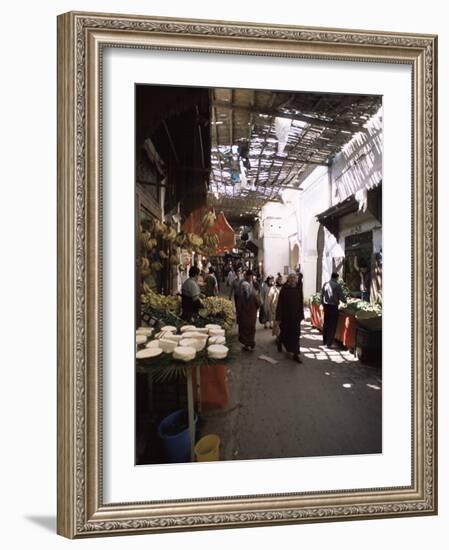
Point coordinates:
[(294, 256), (319, 260)]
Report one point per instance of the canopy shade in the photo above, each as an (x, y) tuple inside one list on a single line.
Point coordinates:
[(264, 141), (220, 227)]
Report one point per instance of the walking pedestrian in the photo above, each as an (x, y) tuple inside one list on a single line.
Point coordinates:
[(289, 314), (210, 283), (266, 295), (234, 291), (331, 296), (230, 277), (248, 302), (218, 274), (273, 298)]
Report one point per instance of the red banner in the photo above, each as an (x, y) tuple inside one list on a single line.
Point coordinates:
[(221, 227)]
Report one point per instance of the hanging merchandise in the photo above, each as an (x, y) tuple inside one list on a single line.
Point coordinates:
[(235, 165), (282, 129), (243, 179), (361, 196), (217, 237)]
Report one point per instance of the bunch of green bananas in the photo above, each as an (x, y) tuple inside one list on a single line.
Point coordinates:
[(211, 242), (159, 227), (144, 263), (195, 240), (145, 236), (215, 306), (151, 243), (181, 239), (159, 302), (170, 234), (208, 221)]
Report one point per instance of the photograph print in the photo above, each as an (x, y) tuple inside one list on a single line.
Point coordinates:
[(258, 278)]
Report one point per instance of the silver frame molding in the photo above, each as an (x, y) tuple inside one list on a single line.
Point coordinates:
[(81, 37)]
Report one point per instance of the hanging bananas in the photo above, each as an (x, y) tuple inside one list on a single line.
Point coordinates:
[(159, 227), (181, 239), (208, 221), (195, 240), (170, 234), (145, 236)]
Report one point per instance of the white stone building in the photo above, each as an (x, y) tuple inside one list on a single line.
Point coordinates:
[(334, 216)]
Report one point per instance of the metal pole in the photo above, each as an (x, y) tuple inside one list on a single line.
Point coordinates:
[(198, 387), (191, 413)]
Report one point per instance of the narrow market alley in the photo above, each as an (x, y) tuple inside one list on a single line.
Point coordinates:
[(257, 207), (328, 405)]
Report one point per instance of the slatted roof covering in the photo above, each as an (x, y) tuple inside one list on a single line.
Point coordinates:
[(280, 136)]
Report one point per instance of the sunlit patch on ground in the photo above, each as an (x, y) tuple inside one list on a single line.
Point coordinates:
[(329, 404)]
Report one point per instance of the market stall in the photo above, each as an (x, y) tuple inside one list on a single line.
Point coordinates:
[(185, 350), (354, 317), (168, 347)]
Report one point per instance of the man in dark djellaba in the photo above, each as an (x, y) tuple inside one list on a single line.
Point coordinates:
[(247, 306), (289, 314), (331, 296)]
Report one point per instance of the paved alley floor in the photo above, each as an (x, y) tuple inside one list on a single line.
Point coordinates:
[(328, 405)]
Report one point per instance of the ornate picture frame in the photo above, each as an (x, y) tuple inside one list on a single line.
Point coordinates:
[(82, 38)]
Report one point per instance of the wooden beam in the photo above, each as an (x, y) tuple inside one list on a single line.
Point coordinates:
[(150, 183), (172, 145), (200, 135), (288, 178), (289, 187), (192, 169), (231, 133), (264, 144), (313, 121), (300, 161), (217, 142)]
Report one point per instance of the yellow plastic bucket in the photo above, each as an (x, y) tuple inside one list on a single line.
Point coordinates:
[(207, 448)]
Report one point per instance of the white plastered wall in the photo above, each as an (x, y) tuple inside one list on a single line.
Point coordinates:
[(279, 232), (358, 166)]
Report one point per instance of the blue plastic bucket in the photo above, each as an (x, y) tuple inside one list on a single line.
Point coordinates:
[(176, 443)]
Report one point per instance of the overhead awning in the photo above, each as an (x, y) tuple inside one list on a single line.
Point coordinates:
[(266, 141), (330, 218)]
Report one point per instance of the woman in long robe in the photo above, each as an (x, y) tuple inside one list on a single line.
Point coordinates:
[(267, 295), (248, 301), (289, 314)]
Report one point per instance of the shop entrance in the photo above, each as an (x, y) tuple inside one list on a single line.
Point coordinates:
[(294, 257), (358, 253)]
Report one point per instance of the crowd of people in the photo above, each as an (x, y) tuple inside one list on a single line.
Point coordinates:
[(278, 304)]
